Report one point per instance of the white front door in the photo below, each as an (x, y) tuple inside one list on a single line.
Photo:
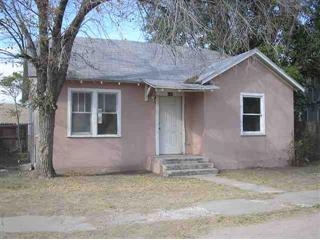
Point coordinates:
[(170, 125)]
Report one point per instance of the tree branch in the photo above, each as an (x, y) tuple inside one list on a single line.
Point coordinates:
[(42, 69), (30, 44), (42, 6), (59, 13), (85, 8), (14, 22), (12, 35), (70, 35)]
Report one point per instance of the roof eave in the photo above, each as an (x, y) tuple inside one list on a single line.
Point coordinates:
[(105, 80), (265, 60), (210, 76), (279, 71), (170, 89), (183, 89)]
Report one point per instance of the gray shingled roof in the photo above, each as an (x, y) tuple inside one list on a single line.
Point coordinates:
[(154, 64), (136, 61), (128, 61)]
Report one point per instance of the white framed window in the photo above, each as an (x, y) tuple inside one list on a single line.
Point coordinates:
[(252, 114), (94, 112)]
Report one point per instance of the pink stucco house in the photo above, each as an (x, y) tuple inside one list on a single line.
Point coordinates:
[(141, 106)]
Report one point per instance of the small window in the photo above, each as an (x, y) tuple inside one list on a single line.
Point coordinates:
[(94, 112), (81, 113), (252, 114)]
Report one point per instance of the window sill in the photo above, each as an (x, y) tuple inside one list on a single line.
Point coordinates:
[(91, 136), (252, 134)]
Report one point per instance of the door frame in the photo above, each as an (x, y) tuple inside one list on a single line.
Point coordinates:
[(157, 118)]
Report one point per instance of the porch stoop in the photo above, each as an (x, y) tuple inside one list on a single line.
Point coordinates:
[(184, 165)]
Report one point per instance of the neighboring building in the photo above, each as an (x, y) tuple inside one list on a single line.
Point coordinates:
[(8, 128), (133, 106)]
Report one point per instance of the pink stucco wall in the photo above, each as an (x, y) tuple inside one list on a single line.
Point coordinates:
[(222, 142), (128, 152), (194, 122)]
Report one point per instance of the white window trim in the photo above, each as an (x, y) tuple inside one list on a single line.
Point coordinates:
[(262, 131), (94, 109)]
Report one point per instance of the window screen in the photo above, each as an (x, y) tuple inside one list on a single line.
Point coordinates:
[(107, 113)]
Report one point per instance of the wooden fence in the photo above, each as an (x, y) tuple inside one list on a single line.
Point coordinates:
[(9, 140)]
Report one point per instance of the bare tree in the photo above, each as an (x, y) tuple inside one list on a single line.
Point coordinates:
[(42, 32), (228, 25)]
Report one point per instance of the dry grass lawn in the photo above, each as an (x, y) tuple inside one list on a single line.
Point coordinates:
[(23, 194), (290, 178), (91, 196)]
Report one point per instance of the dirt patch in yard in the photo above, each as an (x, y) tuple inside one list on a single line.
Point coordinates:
[(289, 178), (24, 194)]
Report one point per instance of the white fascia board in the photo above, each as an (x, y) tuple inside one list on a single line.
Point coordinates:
[(183, 87), (279, 71), (211, 75)]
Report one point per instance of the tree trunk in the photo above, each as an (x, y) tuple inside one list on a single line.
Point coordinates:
[(46, 130), (18, 126)]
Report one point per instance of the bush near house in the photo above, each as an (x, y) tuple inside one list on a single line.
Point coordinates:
[(305, 147)]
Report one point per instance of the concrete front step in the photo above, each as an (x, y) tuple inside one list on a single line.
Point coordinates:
[(170, 156), (187, 165), (187, 172), (181, 165), (187, 160)]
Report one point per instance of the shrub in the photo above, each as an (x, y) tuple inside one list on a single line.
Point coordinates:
[(304, 149)]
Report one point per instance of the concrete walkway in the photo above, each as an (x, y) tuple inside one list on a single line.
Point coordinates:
[(237, 184), (306, 226)]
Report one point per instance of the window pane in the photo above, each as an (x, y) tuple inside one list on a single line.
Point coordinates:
[(81, 102), (100, 101), (110, 103), (81, 123), (75, 102), (251, 123), (108, 124), (107, 102), (88, 102), (251, 105)]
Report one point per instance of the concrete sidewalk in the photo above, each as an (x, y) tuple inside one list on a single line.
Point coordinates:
[(237, 184), (306, 226), (232, 207), (44, 224)]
